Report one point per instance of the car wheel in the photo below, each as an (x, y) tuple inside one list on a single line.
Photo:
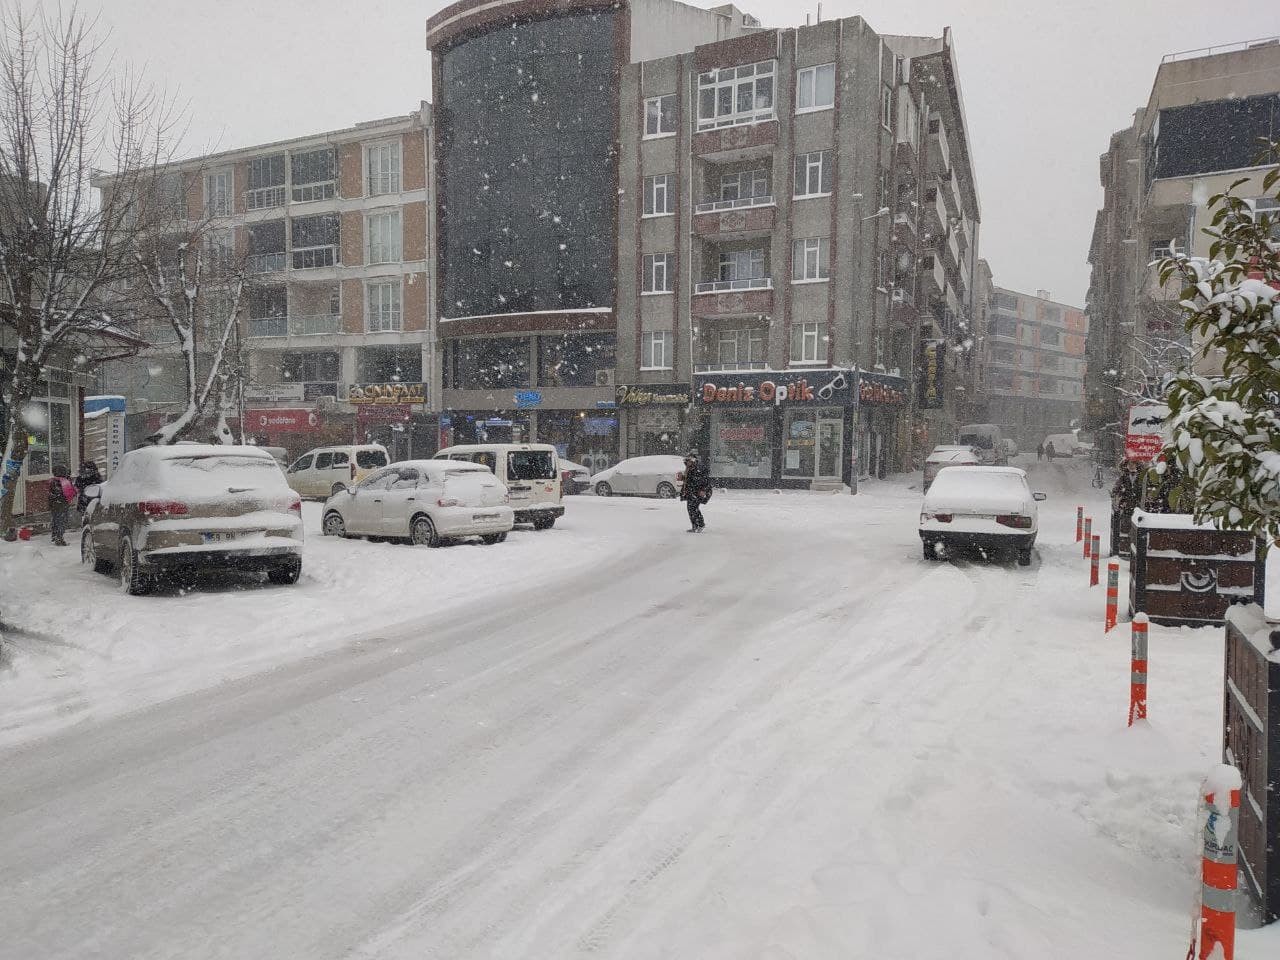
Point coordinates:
[(492, 538), (930, 550), (666, 491), (333, 525), (132, 580), (603, 489), (1024, 557), (337, 489), (287, 573), (544, 523), (89, 554), (423, 532)]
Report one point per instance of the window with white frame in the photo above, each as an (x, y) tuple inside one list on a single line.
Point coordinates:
[(382, 160), (744, 185), (656, 350), (660, 116), (809, 259), (382, 306), (816, 87), (657, 273), (886, 107), (658, 199), (314, 174), (384, 233), (740, 349), (807, 343), (217, 193), (813, 174), (735, 95), (742, 264)]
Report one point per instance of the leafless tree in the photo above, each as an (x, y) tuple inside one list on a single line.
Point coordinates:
[(65, 253)]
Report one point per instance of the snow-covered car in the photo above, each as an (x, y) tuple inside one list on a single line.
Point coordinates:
[(190, 507), (1062, 445), (948, 455), (990, 509), (654, 476), (574, 478), (424, 502)]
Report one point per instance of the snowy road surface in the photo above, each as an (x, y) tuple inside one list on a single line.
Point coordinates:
[(787, 738)]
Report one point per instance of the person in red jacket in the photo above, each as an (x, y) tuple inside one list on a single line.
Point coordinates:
[(62, 494)]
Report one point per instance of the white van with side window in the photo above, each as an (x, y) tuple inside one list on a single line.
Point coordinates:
[(530, 471), (324, 471)]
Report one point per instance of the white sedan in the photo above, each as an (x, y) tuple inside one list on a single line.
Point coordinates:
[(423, 501), (989, 509), (656, 476)]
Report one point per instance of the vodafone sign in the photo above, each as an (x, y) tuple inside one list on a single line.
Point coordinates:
[(281, 421)]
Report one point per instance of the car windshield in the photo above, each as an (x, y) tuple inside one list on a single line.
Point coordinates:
[(531, 465), (980, 440)]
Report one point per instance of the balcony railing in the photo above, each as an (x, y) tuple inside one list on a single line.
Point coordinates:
[(266, 262), (736, 366), (715, 206), (307, 192), (315, 325), (268, 327), (264, 197), (308, 258), (727, 286)]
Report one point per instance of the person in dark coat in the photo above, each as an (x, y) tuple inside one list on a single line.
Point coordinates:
[(87, 476), (1040, 450), (695, 490), (1124, 499), (61, 496)]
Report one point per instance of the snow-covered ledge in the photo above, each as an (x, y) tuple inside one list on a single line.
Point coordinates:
[(1172, 521)]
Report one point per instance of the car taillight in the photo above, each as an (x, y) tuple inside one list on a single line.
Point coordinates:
[(448, 502), (1015, 520), (940, 517), (162, 508), (296, 506)]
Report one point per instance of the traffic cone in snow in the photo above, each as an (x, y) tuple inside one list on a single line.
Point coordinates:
[(1094, 550), (1079, 523), (1088, 534), (1218, 864), (1138, 670), (1113, 594)]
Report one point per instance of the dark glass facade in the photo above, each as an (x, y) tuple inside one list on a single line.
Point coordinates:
[(525, 121), (1215, 135)]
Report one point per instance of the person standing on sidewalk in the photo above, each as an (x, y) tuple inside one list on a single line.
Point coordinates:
[(62, 494), (695, 491)]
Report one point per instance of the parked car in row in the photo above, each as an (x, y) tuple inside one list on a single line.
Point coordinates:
[(528, 470), (183, 509), (425, 502), (948, 455), (987, 439), (653, 476), (990, 509), (574, 478), (326, 470)]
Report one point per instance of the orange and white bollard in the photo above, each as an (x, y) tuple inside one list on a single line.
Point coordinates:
[(1094, 550), (1088, 535), (1218, 864), (1079, 523), (1138, 670), (1113, 594)]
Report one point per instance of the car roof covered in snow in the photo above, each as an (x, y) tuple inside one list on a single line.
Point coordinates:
[(439, 466), (179, 451)]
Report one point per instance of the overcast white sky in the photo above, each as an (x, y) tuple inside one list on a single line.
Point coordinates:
[(1045, 84)]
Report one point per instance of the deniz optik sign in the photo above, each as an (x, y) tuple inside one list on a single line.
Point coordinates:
[(775, 390)]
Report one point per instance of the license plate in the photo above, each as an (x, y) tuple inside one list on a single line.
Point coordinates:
[(217, 537), (484, 516)]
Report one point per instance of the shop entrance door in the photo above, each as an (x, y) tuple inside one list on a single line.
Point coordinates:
[(830, 450)]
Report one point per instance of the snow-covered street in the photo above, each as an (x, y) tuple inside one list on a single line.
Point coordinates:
[(790, 737)]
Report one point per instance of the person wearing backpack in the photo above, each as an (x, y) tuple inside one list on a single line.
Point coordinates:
[(695, 491), (62, 494)]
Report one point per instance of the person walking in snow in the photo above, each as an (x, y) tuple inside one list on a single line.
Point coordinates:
[(86, 477), (62, 494), (695, 490), (1040, 450)]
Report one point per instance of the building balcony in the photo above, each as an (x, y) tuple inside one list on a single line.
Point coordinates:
[(902, 308), (905, 153), (950, 190), (729, 366), (933, 275), (315, 325), (267, 262), (951, 249), (267, 327), (939, 149), (310, 258), (265, 198), (935, 211), (731, 219), (736, 142), (733, 298)]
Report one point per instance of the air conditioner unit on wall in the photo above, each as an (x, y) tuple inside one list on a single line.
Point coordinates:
[(604, 378)]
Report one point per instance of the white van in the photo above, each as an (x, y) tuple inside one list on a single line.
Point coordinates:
[(530, 470), (987, 439), (324, 471)]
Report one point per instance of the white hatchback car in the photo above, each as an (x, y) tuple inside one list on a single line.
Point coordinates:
[(990, 509), (423, 501), (655, 476)]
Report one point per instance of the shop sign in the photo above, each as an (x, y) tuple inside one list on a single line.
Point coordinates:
[(881, 389), (370, 414), (742, 433), (933, 369), (274, 392), (653, 395), (281, 421), (527, 398), (394, 393), (1147, 431), (830, 387)]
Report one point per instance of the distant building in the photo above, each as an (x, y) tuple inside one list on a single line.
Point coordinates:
[(1035, 359)]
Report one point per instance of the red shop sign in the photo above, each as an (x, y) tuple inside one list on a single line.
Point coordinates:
[(281, 421), (369, 414)]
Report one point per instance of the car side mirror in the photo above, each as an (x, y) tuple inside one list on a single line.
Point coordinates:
[(93, 491), (1040, 496)]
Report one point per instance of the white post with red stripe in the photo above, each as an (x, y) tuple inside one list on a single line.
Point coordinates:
[(1113, 594), (1088, 535), (1138, 670), (1218, 868)]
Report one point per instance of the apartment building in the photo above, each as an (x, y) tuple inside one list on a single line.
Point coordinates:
[(335, 328), (1199, 131), (1035, 360)]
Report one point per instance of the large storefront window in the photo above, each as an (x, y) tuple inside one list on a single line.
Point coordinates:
[(481, 427), (813, 443), (659, 432), (489, 363), (575, 360), (49, 439), (742, 444), (588, 437)]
